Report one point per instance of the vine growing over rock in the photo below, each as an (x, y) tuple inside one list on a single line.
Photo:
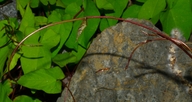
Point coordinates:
[(53, 34)]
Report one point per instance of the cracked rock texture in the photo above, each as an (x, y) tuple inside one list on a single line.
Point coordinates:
[(147, 79)]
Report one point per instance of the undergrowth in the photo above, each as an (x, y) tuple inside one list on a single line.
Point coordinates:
[(54, 34)]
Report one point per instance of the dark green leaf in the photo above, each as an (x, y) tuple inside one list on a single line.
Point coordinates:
[(52, 2), (34, 3), (43, 79)]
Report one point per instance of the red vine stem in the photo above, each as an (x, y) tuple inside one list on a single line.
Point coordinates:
[(163, 35)]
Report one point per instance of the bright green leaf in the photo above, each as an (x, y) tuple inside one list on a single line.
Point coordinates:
[(24, 98), (178, 17), (23, 3), (72, 9), (5, 91), (13, 62), (44, 2), (4, 50), (50, 39), (132, 11), (65, 30), (20, 8), (64, 59), (35, 58), (151, 8), (72, 40), (104, 4), (40, 20), (28, 19), (103, 24), (43, 79), (92, 24), (55, 17), (119, 6)]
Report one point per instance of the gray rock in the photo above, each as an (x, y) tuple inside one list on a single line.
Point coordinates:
[(9, 10), (147, 79)]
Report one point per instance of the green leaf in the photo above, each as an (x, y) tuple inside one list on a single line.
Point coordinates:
[(20, 8), (40, 20), (52, 2), (79, 53), (55, 17), (132, 11), (5, 91), (119, 6), (4, 50), (23, 3), (92, 24), (141, 1), (65, 30), (24, 98), (34, 3), (151, 8), (64, 59), (28, 19), (44, 2), (72, 9), (67, 2), (13, 62), (43, 79), (34, 57), (71, 42), (104, 4), (178, 17), (50, 39), (103, 24)]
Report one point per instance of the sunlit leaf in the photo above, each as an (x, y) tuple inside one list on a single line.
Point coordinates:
[(28, 19), (5, 91), (151, 8), (24, 98), (179, 16), (92, 24), (43, 79), (132, 11)]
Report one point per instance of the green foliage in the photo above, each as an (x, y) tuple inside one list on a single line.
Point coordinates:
[(42, 57)]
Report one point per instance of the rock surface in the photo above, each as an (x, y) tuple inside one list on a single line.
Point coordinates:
[(147, 79), (9, 10)]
